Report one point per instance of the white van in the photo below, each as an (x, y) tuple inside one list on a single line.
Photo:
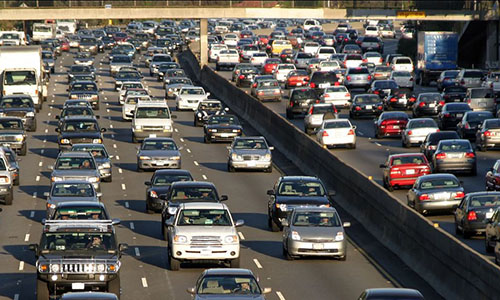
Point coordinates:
[(309, 23), (325, 52), (402, 63), (151, 119)]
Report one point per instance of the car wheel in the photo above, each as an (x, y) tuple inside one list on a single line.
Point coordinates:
[(406, 144), (235, 263), (273, 226), (230, 168), (139, 169), (487, 245), (17, 181), (353, 146), (343, 258), (9, 198), (173, 263), (134, 140), (148, 209), (206, 140), (377, 135), (24, 149), (269, 170)]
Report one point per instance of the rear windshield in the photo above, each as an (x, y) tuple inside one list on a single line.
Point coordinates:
[(402, 61), (430, 98), (473, 74), (439, 183), (323, 109), (435, 138), (422, 123), (367, 99), (493, 124), (326, 50), (484, 201), (386, 85), (456, 145), (479, 116), (394, 116), (330, 76), (457, 107), (482, 93), (410, 159), (303, 94), (359, 71), (455, 89)]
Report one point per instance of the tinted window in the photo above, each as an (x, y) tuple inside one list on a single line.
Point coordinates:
[(473, 74), (408, 159), (455, 146), (337, 124), (316, 219), (301, 188), (439, 183), (482, 93), (303, 94), (359, 71)]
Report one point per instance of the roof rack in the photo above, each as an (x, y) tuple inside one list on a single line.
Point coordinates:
[(101, 225)]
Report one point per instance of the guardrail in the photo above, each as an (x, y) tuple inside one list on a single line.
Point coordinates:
[(452, 268)]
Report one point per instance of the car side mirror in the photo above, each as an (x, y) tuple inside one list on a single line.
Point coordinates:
[(97, 116), (122, 247), (148, 183), (115, 221), (239, 223), (346, 224), (191, 291), (332, 193), (270, 192), (57, 130), (208, 94), (223, 198), (267, 290), (354, 127), (285, 223), (46, 194), (382, 166), (103, 129), (173, 116), (33, 247), (99, 195)]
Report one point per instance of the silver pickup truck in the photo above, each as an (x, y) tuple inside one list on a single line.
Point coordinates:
[(203, 232)]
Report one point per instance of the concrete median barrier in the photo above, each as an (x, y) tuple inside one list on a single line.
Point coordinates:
[(452, 268)]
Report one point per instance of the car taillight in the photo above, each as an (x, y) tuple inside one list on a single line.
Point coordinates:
[(470, 155), (336, 83), (441, 156), (369, 77), (347, 95), (468, 101), (357, 108), (313, 85), (351, 132), (424, 197), (365, 60), (441, 103), (348, 77), (380, 60), (467, 126), (291, 104), (380, 107), (325, 133), (487, 133), (376, 92), (447, 115), (310, 111), (317, 101), (393, 99), (459, 194), (254, 85), (311, 66), (412, 99), (471, 216), (242, 76), (326, 95), (410, 132), (395, 171), (422, 104), (462, 82)]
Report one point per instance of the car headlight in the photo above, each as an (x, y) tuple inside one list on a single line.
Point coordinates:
[(181, 239), (295, 236), (212, 130), (235, 156), (43, 268), (172, 210), (236, 130), (282, 207), (339, 236), (153, 194), (56, 178), (325, 205), (170, 89), (2, 114), (64, 141), (94, 179), (29, 114), (231, 239), (74, 97), (113, 268), (4, 179), (168, 127), (97, 141), (106, 165), (100, 268), (19, 138), (199, 115), (266, 157), (138, 127), (175, 158), (144, 157)]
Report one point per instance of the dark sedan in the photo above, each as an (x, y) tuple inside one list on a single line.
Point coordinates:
[(160, 184), (80, 129), (432, 139), (492, 177), (451, 115), (222, 128), (382, 88), (454, 93), (85, 90), (401, 98), (470, 122), (492, 235), (366, 105), (391, 293), (435, 192), (455, 156), (299, 101), (474, 211), (207, 108), (295, 191)]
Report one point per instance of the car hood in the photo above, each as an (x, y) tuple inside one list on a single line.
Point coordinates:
[(73, 135), (251, 152), (159, 153), (83, 92), (316, 232), (56, 200), (193, 230), (296, 200), (229, 296)]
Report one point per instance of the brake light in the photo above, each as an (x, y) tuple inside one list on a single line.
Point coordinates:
[(376, 92), (351, 132), (347, 95), (412, 99), (326, 95), (369, 77), (336, 83), (291, 104), (393, 99), (441, 103), (447, 115), (254, 85), (422, 104), (313, 85), (357, 108), (487, 133), (348, 77), (310, 111), (325, 133), (467, 126), (365, 60), (470, 155), (380, 107), (459, 194), (410, 132), (424, 197), (471, 216), (441, 156), (317, 100), (462, 82), (242, 76)]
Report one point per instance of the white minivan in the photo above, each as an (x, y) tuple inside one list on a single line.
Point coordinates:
[(151, 119)]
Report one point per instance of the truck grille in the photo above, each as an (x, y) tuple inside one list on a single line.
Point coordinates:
[(7, 138), (251, 157), (83, 266), (84, 96), (206, 240), (81, 140), (158, 128)]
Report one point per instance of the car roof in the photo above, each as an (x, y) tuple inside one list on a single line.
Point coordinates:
[(440, 175), (314, 209), (159, 139), (72, 181), (152, 104), (203, 205), (172, 172), (92, 145), (299, 178), (80, 203), (483, 193), (228, 271)]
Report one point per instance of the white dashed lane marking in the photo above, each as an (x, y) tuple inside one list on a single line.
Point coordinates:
[(144, 282), (127, 206), (196, 163), (123, 186), (242, 237), (137, 253), (27, 237), (21, 265), (257, 263), (280, 295), (204, 176), (37, 178)]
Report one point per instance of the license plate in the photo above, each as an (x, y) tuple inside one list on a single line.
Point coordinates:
[(402, 100), (482, 104), (318, 246), (410, 172), (324, 85), (441, 196), (224, 135), (205, 252), (489, 215), (395, 126), (432, 105), (251, 164), (455, 155), (299, 83), (159, 163), (78, 286), (459, 115), (153, 135), (368, 107)]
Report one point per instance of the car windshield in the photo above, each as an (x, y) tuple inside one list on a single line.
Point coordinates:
[(80, 213), (96, 151), (316, 219), (224, 119), (484, 201), (180, 80), (439, 183), (72, 190), (16, 102), (128, 75), (77, 126), (455, 89), (73, 163), (368, 99), (158, 145), (228, 284), (84, 87), (11, 125), (132, 85), (152, 113), (408, 159), (301, 188), (206, 217), (2, 165), (422, 124), (455, 146), (76, 111), (193, 193), (164, 58), (211, 106), (77, 241), (19, 77), (167, 179), (250, 144)]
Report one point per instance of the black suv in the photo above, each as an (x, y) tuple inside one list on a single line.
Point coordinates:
[(160, 184), (299, 101), (77, 255), (20, 106), (85, 90), (321, 80), (13, 135), (77, 130)]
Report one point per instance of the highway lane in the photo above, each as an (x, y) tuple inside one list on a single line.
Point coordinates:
[(375, 151), (144, 273)]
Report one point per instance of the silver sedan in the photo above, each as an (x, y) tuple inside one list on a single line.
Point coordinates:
[(250, 153)]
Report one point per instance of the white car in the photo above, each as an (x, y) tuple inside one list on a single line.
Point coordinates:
[(402, 63), (214, 51), (353, 61), (282, 71), (417, 130), (128, 85), (130, 104), (373, 57), (258, 59), (337, 95), (311, 48), (189, 97), (387, 32), (231, 40), (329, 65), (335, 132), (325, 52), (372, 31)]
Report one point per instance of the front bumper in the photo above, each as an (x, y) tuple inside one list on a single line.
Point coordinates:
[(446, 205), (65, 282), (205, 252), (250, 164), (159, 164), (222, 137), (185, 104), (333, 141), (140, 135), (301, 248)]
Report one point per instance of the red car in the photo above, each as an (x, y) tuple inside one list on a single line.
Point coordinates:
[(391, 123), (297, 78), (270, 65), (263, 40), (65, 45), (402, 170), (120, 37)]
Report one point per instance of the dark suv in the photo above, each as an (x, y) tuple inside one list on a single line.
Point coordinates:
[(77, 255), (299, 101), (321, 80), (77, 130), (20, 106)]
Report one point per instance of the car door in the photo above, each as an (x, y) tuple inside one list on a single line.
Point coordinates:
[(412, 193), (491, 175), (461, 211), (490, 227)]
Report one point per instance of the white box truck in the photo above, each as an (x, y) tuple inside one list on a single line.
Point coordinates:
[(42, 31), (21, 72)]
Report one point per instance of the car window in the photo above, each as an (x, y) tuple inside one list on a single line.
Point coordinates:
[(421, 124), (158, 145), (455, 146), (482, 93), (16, 102), (72, 190), (152, 112), (368, 99), (303, 94), (167, 179), (80, 213), (439, 183), (484, 201), (71, 163), (492, 124), (77, 126), (193, 192), (97, 152), (407, 159), (228, 284), (337, 124), (207, 217), (249, 144), (224, 119)]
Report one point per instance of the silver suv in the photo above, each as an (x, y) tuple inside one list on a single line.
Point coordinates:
[(202, 231), (358, 78)]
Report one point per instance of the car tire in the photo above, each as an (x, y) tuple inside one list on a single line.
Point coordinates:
[(114, 287), (217, 67), (9, 198), (148, 210), (230, 168), (272, 225), (139, 169), (17, 181), (466, 234), (234, 263), (207, 140), (269, 170), (287, 255), (289, 115), (96, 106), (33, 127), (377, 135), (343, 258), (352, 146), (406, 145), (173, 263), (42, 290), (487, 246), (164, 233), (457, 230), (108, 179), (24, 149)]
